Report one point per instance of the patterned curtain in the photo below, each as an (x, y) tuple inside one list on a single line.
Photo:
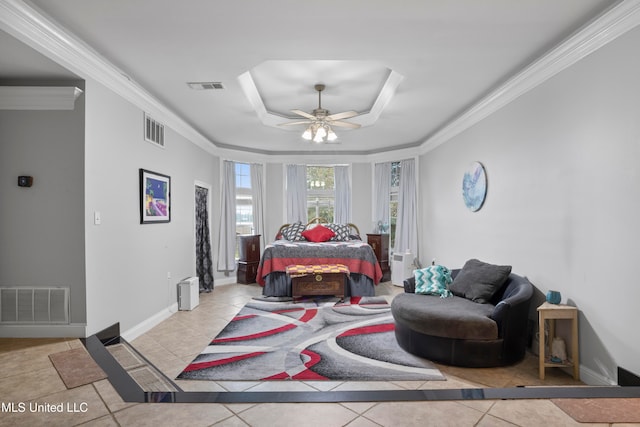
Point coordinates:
[(204, 261)]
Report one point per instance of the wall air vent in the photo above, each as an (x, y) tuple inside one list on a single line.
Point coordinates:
[(153, 131), (19, 305), (206, 85)]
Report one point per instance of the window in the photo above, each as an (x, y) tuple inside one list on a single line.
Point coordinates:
[(393, 202), (320, 192), (244, 206)]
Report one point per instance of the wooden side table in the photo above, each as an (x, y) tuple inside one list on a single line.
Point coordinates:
[(249, 251), (380, 245), (552, 312)]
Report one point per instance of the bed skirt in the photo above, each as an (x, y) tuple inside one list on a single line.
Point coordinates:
[(278, 284)]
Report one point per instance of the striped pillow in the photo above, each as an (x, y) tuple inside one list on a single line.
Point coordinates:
[(341, 232), (433, 280), (294, 232)]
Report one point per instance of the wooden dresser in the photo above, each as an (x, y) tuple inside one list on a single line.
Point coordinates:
[(380, 245), (249, 258)]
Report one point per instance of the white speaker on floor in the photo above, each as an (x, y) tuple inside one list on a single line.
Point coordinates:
[(188, 293), (401, 268)]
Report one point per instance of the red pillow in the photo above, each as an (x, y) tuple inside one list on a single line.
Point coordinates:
[(319, 233)]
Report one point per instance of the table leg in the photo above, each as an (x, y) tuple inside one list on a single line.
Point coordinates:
[(541, 346), (575, 350)]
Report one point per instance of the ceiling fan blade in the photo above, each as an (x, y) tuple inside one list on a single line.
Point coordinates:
[(343, 115), (304, 114), (301, 122), (345, 125)]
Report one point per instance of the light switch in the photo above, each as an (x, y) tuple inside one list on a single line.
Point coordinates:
[(97, 218)]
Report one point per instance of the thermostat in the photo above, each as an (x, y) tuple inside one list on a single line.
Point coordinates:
[(25, 181)]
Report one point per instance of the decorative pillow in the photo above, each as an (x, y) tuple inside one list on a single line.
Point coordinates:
[(319, 233), (433, 280), (479, 281), (294, 231), (341, 232)]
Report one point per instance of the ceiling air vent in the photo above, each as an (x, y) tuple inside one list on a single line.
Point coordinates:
[(153, 131), (206, 85)]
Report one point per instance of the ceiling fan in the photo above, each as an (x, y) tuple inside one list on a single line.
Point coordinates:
[(320, 121)]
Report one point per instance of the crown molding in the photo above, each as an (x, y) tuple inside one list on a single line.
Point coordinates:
[(32, 27), (613, 23), (38, 97), (29, 25)]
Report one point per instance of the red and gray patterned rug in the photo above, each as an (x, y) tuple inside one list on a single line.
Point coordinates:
[(314, 339)]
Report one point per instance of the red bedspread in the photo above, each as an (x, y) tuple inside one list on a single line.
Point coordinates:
[(355, 254)]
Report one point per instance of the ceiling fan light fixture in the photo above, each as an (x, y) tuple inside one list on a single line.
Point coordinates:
[(318, 138), (321, 132), (307, 134), (331, 135)]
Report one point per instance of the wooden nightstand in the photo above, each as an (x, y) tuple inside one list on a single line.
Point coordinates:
[(249, 258), (552, 312), (380, 245)]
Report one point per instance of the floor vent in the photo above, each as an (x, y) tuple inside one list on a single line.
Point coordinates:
[(153, 131), (34, 305)]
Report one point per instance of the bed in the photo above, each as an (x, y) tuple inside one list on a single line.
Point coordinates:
[(345, 248)]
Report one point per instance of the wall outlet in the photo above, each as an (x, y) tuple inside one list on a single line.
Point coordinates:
[(97, 218), (168, 275)]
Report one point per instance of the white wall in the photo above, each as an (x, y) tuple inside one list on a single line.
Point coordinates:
[(563, 167), (41, 242), (128, 263)]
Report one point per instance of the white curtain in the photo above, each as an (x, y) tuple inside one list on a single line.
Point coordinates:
[(256, 200), (343, 195), (407, 225), (227, 242), (382, 182), (297, 193)]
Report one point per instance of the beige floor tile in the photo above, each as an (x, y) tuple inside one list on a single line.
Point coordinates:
[(65, 408), (298, 414), (199, 386), (238, 408), (238, 385), (31, 385), (367, 385), (233, 421), (31, 356), (359, 407), (282, 386), (491, 421), (363, 422), (106, 421), (324, 385), (110, 396), (172, 414), (533, 413), (408, 414)]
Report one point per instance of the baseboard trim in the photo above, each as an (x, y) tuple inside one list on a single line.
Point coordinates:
[(164, 314), (43, 331), (591, 377), (148, 324), (225, 281)]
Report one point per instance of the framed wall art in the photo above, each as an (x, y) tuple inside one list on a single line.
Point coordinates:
[(474, 186), (155, 197)]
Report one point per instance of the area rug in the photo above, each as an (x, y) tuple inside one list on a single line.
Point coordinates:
[(315, 339), (614, 410), (76, 367)]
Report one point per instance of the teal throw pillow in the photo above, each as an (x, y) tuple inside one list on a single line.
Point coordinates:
[(433, 280)]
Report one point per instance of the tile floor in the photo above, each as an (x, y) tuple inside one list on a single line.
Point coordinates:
[(27, 378)]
